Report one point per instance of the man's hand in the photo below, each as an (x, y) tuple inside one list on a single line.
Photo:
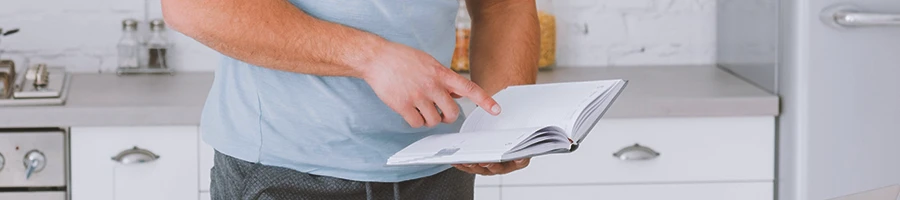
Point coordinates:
[(415, 85), (505, 48), (489, 169)]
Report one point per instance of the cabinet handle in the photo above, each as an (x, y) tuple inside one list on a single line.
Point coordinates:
[(135, 155), (636, 152), (850, 15)]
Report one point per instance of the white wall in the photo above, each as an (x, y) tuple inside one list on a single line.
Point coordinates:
[(81, 35)]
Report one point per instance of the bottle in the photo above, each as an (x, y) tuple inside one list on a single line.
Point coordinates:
[(157, 45), (548, 34), (460, 61), (129, 45)]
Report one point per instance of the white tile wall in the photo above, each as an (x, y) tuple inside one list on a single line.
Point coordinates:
[(81, 35)]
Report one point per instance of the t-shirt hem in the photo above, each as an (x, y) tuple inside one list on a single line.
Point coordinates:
[(364, 177), (252, 156), (246, 154)]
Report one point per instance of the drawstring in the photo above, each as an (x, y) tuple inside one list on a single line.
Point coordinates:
[(396, 191), (368, 191)]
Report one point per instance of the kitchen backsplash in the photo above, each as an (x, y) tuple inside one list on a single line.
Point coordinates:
[(592, 33)]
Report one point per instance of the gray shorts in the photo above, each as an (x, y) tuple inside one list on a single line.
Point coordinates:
[(233, 178)]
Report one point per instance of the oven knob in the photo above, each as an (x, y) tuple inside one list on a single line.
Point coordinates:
[(34, 162)]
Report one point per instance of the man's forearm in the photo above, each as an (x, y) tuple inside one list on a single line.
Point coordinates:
[(273, 34), (505, 43)]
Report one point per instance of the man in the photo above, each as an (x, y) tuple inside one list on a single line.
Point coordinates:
[(313, 96)]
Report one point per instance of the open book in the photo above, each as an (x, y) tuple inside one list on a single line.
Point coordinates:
[(535, 120)]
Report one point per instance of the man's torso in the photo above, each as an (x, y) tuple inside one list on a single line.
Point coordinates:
[(333, 126)]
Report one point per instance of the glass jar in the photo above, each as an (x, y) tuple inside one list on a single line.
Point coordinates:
[(460, 61), (157, 45), (548, 34), (129, 46)]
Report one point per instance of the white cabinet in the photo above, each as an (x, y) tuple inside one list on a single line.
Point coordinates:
[(692, 191), (207, 158), (487, 181), (708, 158), (690, 150), (172, 176), (487, 192), (700, 158)]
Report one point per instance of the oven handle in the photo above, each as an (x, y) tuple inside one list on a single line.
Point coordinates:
[(135, 155)]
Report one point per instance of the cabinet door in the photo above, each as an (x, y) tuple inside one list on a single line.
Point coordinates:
[(661, 150), (692, 191), (207, 159), (487, 193), (97, 176)]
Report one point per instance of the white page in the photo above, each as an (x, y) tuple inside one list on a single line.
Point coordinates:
[(597, 112), (479, 145), (557, 104), (541, 148)]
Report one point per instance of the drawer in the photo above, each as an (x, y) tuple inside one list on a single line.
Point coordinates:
[(690, 149), (207, 158), (487, 180), (96, 176), (711, 191), (487, 193)]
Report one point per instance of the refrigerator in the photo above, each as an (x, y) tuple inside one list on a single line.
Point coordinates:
[(836, 66)]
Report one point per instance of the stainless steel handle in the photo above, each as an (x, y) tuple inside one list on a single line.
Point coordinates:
[(135, 155), (636, 152), (34, 162), (2, 161), (848, 15), (856, 18)]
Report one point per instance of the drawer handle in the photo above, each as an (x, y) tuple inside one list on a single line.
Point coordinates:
[(135, 155), (636, 152)]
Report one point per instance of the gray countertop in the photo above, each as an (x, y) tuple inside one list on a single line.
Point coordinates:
[(144, 100), (110, 100)]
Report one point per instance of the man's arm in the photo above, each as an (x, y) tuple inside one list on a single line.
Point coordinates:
[(505, 45), (505, 49), (268, 33), (277, 35)]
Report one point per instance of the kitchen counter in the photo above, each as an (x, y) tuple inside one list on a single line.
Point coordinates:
[(110, 100), (675, 91), (669, 91)]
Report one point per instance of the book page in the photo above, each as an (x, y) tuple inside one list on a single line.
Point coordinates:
[(540, 148), (478, 146), (585, 125), (557, 104)]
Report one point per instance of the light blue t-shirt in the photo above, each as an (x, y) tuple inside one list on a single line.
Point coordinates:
[(331, 126)]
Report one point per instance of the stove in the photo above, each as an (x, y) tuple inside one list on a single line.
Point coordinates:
[(33, 164), (39, 85)]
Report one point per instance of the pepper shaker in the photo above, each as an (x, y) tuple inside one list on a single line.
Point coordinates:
[(157, 45)]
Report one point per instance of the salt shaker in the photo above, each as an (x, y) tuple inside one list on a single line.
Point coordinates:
[(129, 46)]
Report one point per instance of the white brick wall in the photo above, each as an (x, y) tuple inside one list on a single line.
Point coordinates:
[(81, 35), (635, 32)]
